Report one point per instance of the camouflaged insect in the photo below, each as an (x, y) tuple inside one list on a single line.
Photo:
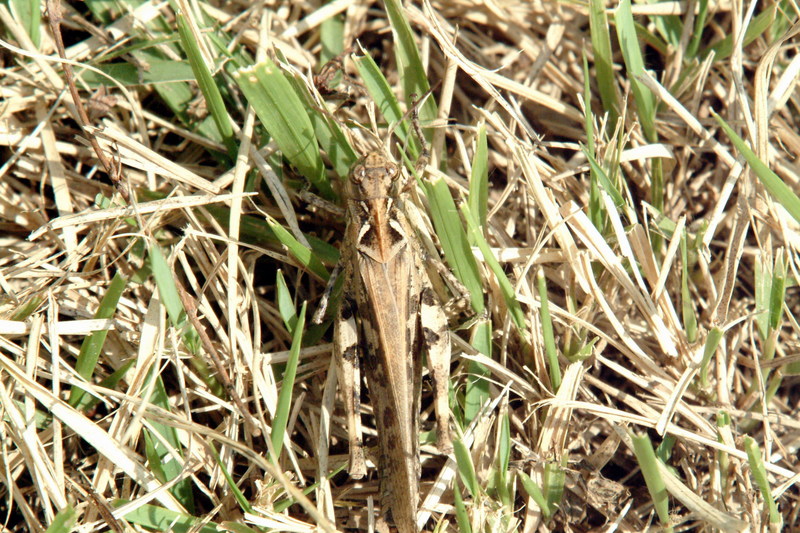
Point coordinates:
[(388, 316)]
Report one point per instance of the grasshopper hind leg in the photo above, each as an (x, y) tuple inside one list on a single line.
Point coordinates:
[(347, 360), (436, 341)]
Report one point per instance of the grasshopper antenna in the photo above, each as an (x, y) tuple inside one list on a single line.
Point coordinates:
[(413, 113)]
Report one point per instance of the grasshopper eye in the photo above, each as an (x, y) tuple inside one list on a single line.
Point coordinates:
[(358, 174), (402, 183)]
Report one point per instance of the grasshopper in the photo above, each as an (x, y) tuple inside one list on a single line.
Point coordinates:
[(389, 314)]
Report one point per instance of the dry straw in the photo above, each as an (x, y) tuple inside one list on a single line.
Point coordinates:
[(613, 186)]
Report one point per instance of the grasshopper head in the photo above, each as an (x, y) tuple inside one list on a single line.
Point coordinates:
[(373, 177)]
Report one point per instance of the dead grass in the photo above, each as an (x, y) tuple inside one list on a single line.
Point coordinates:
[(671, 288)]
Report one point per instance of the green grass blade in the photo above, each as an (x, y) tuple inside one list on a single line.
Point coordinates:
[(466, 469), (166, 287), (330, 136), (760, 476), (153, 458), (603, 180), (723, 420), (670, 27), (331, 37), (763, 290), (781, 192), (588, 116), (281, 417), (504, 448), (158, 518), (335, 144), (506, 289), (259, 231), (26, 309), (477, 389), (646, 457), (211, 93), (110, 382), (241, 499), (665, 449), (409, 63), (93, 344), (29, 14), (554, 477), (535, 493), (283, 115), (462, 519), (65, 521), (699, 26), (168, 292), (629, 43), (285, 302), (305, 257), (648, 38), (478, 199), (386, 101), (760, 23), (603, 61), (595, 204), (548, 337), (163, 451), (455, 244), (645, 100), (774, 315), (687, 302), (504, 484), (778, 291), (459, 256)]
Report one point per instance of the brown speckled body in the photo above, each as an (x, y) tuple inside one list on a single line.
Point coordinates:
[(380, 319)]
